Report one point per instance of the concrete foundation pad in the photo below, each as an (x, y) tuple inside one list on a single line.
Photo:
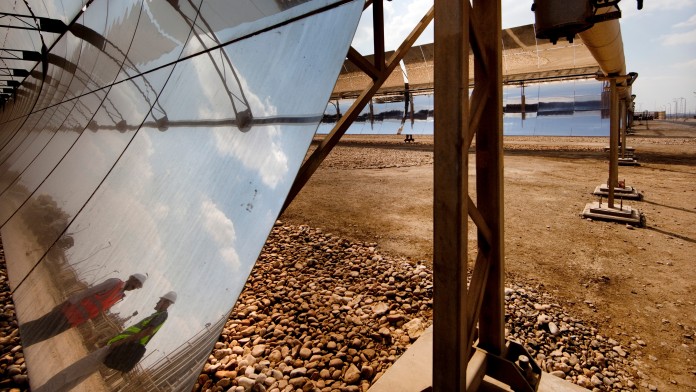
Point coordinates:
[(625, 214), (413, 372), (627, 192), (628, 149), (628, 162)]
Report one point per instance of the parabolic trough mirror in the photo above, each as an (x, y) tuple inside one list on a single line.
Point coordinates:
[(558, 108), (142, 166)]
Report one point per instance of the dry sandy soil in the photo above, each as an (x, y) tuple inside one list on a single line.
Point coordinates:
[(635, 284)]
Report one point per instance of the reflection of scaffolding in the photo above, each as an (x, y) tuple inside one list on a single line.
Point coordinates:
[(177, 371)]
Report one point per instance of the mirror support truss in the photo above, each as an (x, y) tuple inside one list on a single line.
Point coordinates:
[(462, 353), (469, 320), (379, 72)]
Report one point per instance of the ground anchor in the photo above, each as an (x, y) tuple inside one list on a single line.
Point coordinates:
[(620, 192), (622, 214)]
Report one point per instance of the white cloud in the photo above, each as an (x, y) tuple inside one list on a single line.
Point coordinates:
[(221, 229), (400, 17), (516, 13), (679, 38), (668, 5), (690, 64)]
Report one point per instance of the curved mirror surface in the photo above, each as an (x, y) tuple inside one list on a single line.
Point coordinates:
[(570, 108), (25, 183), (129, 205)]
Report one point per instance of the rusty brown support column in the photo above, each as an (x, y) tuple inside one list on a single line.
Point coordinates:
[(361, 62), (450, 351), (378, 27), (489, 171), (613, 180), (624, 121)]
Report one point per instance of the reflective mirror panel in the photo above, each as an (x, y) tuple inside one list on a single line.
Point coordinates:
[(127, 205), (19, 185), (571, 108)]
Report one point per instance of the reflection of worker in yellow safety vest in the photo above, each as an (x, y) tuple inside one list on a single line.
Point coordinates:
[(122, 352), (146, 328), (79, 308)]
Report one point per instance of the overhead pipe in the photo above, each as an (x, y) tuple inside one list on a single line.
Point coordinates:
[(604, 42), (597, 23)]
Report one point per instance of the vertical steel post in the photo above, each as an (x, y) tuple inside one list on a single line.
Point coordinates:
[(489, 170), (378, 28), (450, 352), (623, 115), (613, 180)]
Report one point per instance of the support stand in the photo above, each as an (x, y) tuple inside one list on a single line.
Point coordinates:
[(622, 191), (609, 212)]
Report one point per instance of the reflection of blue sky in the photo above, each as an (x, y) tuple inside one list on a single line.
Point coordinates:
[(585, 121), (193, 205)]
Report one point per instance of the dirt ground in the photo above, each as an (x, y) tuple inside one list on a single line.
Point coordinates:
[(635, 284)]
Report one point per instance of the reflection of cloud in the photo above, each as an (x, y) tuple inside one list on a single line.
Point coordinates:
[(268, 157), (221, 229), (679, 38), (690, 22), (160, 211)]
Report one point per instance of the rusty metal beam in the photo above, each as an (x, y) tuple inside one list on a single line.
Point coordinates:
[(477, 104), (489, 170), (476, 370), (480, 222), (613, 180), (624, 121), (450, 209), (364, 64), (329, 142), (378, 31), (479, 278)]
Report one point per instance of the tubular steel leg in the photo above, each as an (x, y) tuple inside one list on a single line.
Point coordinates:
[(613, 142), (624, 121)]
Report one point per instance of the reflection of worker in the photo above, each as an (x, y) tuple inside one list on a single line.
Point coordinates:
[(122, 352), (79, 308)]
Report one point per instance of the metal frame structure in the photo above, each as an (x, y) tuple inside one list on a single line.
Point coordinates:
[(463, 354), (379, 71), (619, 113)]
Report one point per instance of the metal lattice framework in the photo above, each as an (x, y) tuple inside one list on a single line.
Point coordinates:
[(469, 321)]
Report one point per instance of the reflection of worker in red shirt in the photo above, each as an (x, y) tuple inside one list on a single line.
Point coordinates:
[(78, 308)]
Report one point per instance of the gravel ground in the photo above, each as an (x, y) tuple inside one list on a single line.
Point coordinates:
[(332, 315), (320, 313), (13, 371)]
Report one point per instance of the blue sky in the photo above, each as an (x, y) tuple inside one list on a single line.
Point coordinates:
[(659, 44)]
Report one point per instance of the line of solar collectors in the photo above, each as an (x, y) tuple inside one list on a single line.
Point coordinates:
[(157, 137), (557, 82), (563, 108)]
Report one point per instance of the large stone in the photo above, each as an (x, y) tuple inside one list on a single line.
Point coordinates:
[(352, 375), (380, 309), (305, 353), (258, 351), (299, 372), (246, 382), (414, 328)]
